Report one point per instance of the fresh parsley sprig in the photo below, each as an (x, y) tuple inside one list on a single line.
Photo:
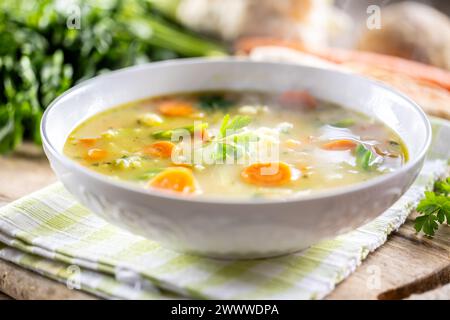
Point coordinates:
[(435, 208), (230, 125), (442, 187), (226, 147), (41, 56)]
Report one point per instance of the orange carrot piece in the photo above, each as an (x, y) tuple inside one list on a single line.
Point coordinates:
[(161, 149), (176, 108), (96, 154), (176, 179), (298, 98), (337, 145), (269, 174), (88, 142)]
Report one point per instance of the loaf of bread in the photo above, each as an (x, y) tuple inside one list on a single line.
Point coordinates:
[(432, 96), (413, 31), (311, 21)]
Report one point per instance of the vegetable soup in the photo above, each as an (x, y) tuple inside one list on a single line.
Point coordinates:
[(236, 144)]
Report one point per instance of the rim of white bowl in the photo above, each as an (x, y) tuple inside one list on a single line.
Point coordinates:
[(327, 193)]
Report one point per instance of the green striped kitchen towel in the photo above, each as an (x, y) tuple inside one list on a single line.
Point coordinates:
[(50, 233)]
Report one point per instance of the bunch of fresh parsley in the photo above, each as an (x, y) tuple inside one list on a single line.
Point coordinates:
[(42, 55), (435, 208)]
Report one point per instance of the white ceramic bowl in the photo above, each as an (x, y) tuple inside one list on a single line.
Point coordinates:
[(226, 228)]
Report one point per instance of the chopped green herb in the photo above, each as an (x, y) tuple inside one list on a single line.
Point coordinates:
[(214, 102), (167, 134), (223, 126), (363, 157), (150, 174), (344, 123), (442, 187), (162, 134), (230, 126), (234, 147)]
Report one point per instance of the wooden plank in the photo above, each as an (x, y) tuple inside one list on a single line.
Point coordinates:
[(441, 293), (19, 283), (4, 297), (23, 172), (405, 264)]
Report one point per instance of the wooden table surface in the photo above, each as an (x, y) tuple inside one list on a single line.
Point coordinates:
[(407, 264)]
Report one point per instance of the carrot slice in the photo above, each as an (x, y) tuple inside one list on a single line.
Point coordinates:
[(176, 108), (176, 179), (161, 149), (342, 144), (96, 154), (298, 98), (268, 174), (87, 142)]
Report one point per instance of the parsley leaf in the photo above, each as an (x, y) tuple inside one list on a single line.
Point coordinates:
[(435, 209), (150, 173), (228, 126), (223, 126), (442, 187), (168, 134), (363, 157)]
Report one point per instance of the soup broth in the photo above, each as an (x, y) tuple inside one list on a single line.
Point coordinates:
[(236, 144)]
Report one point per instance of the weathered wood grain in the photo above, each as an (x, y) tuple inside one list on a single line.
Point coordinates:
[(406, 264), (441, 293), (19, 283), (23, 172)]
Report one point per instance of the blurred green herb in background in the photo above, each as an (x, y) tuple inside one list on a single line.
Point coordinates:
[(40, 57)]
